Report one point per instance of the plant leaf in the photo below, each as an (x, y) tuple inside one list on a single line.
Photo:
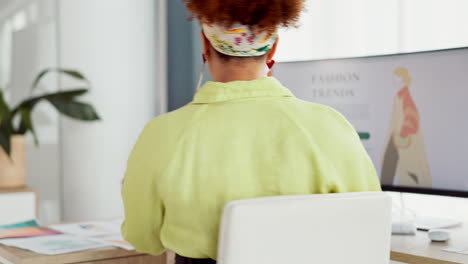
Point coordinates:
[(6, 122), (4, 110), (72, 73), (74, 109), (5, 141), (40, 76), (27, 105), (65, 96), (69, 94), (26, 124)]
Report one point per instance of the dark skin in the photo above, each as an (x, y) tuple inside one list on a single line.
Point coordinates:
[(237, 69)]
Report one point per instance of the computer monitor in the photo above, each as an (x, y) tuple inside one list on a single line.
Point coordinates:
[(410, 110)]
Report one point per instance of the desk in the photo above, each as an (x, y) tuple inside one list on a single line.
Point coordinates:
[(408, 249), (109, 255), (420, 250)]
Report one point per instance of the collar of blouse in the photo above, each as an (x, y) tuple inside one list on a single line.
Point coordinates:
[(216, 92)]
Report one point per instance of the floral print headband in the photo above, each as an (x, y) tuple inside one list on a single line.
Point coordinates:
[(239, 40)]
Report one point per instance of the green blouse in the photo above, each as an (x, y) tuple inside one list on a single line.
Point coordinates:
[(235, 140)]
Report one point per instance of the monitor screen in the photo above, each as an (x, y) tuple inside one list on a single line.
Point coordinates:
[(410, 110)]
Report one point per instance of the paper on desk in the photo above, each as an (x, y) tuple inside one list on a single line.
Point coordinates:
[(105, 232), (459, 250), (90, 229), (114, 240), (54, 245), (26, 232), (25, 229), (29, 223)]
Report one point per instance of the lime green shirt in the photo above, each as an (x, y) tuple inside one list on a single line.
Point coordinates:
[(234, 141)]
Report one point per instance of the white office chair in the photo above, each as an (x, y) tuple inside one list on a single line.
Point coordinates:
[(347, 228)]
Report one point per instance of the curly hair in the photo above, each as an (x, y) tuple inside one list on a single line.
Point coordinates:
[(263, 14)]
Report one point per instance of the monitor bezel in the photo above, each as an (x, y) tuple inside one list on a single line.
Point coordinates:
[(374, 56), (441, 192), (393, 188)]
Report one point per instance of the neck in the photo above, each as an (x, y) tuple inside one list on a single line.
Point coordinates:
[(229, 72)]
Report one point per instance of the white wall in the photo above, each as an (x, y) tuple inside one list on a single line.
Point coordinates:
[(336, 28), (433, 24), (113, 43)]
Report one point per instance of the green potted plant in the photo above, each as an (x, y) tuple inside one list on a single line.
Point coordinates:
[(16, 121)]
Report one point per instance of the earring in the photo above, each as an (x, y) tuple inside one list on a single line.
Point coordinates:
[(270, 65)]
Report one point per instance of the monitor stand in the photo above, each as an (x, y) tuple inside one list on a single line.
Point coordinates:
[(403, 224)]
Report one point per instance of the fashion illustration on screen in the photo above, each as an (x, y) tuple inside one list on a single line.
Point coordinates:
[(405, 159)]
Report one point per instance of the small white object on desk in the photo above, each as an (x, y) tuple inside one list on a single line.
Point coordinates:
[(20, 205), (439, 235)]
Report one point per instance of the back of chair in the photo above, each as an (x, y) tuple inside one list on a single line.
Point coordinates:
[(347, 228)]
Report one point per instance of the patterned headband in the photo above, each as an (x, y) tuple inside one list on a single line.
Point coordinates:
[(239, 40)]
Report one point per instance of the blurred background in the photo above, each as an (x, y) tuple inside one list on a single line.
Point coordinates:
[(143, 59)]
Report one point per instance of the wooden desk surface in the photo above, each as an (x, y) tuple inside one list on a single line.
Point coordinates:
[(420, 250), (102, 255)]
